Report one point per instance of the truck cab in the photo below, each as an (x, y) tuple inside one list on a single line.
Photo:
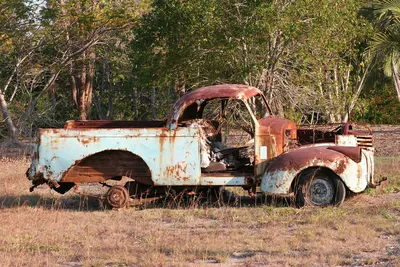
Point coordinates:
[(238, 133)]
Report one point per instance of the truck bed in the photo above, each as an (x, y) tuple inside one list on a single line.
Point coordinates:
[(113, 124)]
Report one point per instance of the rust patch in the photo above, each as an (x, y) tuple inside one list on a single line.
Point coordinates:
[(84, 125), (310, 156), (177, 171), (348, 128), (85, 141), (341, 166), (352, 152), (106, 165), (272, 133)]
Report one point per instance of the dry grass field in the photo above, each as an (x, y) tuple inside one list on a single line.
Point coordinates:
[(44, 228)]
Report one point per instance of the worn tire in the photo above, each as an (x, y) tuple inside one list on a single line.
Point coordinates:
[(320, 189)]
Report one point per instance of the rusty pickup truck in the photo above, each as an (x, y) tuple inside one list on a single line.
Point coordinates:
[(222, 135)]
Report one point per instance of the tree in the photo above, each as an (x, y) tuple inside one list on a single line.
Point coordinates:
[(40, 43), (327, 59), (184, 44), (304, 55), (384, 47), (16, 47), (86, 25)]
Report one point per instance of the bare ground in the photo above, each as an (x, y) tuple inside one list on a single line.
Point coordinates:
[(387, 140), (46, 229)]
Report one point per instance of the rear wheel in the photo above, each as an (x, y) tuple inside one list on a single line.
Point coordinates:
[(320, 188), (118, 196)]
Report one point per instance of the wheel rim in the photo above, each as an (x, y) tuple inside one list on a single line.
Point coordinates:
[(117, 196), (320, 192)]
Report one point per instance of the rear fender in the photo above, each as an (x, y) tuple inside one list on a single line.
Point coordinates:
[(354, 168)]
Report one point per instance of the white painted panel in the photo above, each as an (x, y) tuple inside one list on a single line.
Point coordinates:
[(263, 152)]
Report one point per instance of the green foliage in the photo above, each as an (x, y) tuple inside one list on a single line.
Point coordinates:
[(384, 46), (378, 106), (308, 57), (304, 55)]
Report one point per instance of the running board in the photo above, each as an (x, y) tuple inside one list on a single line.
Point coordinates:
[(226, 180)]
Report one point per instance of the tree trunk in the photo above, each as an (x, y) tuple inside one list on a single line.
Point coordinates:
[(180, 85), (32, 105), (135, 103), (110, 105), (12, 130), (82, 85), (355, 97), (74, 86), (153, 103), (396, 79)]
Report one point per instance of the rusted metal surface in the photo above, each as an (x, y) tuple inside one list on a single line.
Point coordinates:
[(118, 196), (280, 174), (356, 128), (113, 124), (272, 133), (352, 152), (108, 164), (379, 185), (271, 136), (342, 134), (314, 136)]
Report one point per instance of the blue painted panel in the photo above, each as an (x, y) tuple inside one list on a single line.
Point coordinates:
[(171, 155)]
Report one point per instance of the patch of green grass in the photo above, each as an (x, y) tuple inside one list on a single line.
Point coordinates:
[(388, 167), (388, 215)]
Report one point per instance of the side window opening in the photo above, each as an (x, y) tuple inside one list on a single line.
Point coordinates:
[(226, 133)]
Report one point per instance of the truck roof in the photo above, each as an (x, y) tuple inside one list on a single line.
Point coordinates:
[(238, 91)]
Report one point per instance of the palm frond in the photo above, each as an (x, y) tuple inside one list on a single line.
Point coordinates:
[(387, 66), (384, 43), (387, 13), (387, 6)]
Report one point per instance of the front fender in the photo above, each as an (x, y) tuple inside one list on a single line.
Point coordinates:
[(355, 172)]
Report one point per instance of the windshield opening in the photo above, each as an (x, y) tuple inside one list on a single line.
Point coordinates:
[(258, 106)]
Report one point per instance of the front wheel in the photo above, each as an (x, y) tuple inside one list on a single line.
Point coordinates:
[(320, 188)]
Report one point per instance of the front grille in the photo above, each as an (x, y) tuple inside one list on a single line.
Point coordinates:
[(365, 140)]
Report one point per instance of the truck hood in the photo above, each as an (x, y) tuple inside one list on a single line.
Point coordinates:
[(275, 125), (277, 134)]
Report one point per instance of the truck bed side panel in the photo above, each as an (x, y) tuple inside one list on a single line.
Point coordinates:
[(171, 155)]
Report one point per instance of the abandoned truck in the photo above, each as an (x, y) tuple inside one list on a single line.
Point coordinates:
[(222, 135)]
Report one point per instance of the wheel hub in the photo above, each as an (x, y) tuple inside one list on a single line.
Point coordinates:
[(118, 196), (321, 192)]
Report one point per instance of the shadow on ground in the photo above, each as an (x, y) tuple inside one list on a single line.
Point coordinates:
[(180, 201), (52, 203)]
